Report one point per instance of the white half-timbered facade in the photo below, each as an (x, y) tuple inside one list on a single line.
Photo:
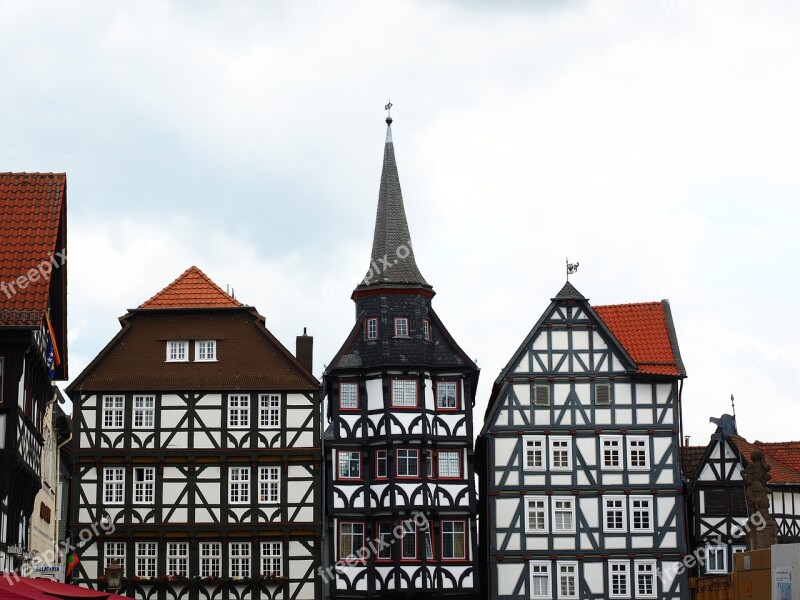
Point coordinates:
[(580, 485), (196, 454), (717, 502), (401, 507)]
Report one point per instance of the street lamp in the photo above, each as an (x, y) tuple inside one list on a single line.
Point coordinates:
[(114, 575)]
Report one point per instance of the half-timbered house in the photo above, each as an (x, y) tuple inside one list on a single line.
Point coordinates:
[(400, 493), (196, 453), (578, 458), (716, 500), (33, 345)]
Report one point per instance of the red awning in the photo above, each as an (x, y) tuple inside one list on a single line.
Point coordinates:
[(12, 587)]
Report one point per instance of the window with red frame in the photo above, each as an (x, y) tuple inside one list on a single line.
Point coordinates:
[(409, 542), (348, 396), (372, 328), (447, 395), (381, 464), (401, 326), (453, 540), (384, 541), (407, 463), (351, 539), (404, 392), (349, 464), (426, 330), (449, 464)]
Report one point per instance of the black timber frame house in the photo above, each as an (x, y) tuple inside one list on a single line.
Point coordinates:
[(33, 340), (398, 449), (196, 451)]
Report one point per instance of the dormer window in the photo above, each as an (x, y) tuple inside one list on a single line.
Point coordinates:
[(205, 350), (401, 327), (177, 351), (372, 328)]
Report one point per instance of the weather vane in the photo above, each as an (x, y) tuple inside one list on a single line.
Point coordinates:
[(388, 108), (571, 268)]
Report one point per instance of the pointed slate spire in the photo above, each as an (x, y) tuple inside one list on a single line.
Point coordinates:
[(568, 292), (392, 260)]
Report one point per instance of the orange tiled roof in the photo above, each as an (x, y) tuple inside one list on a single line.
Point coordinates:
[(691, 457), (786, 452), (193, 289), (30, 217), (780, 472), (645, 331)]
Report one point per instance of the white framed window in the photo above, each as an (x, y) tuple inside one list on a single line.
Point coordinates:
[(239, 485), (372, 328), (533, 446), (427, 333), (384, 541), (619, 576), (737, 549), (272, 559), (541, 395), (563, 514), (115, 550), (614, 514), (428, 544), (349, 464), (177, 351), (560, 454), (113, 412), (449, 464), (401, 327), (447, 395), (540, 579), (567, 580), (348, 396), (269, 411), (178, 558), (205, 350), (716, 559), (114, 485), (381, 464), (404, 392), (144, 485), (239, 559), (454, 540), (144, 410), (407, 462), (611, 447), (269, 484), (641, 513), (351, 539), (210, 559), (239, 411), (645, 578), (146, 554), (536, 514), (638, 453)]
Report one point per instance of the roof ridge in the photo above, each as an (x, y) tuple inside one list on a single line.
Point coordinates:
[(184, 293), (648, 303)]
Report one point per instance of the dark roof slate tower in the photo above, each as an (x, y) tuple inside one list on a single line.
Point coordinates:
[(400, 394)]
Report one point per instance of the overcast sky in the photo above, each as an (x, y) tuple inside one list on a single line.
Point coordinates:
[(657, 143)]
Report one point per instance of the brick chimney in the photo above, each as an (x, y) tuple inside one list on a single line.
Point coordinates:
[(305, 351)]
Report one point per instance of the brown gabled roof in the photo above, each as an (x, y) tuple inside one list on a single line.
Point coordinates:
[(30, 219), (786, 452), (780, 472), (646, 332), (691, 457), (193, 289)]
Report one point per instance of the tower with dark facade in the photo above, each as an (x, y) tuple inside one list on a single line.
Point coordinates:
[(400, 494)]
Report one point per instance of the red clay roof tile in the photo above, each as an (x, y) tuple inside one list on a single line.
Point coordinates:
[(691, 457), (193, 289), (780, 472), (786, 452), (30, 217), (644, 332)]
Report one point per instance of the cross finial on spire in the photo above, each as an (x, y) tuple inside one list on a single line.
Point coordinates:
[(388, 108)]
